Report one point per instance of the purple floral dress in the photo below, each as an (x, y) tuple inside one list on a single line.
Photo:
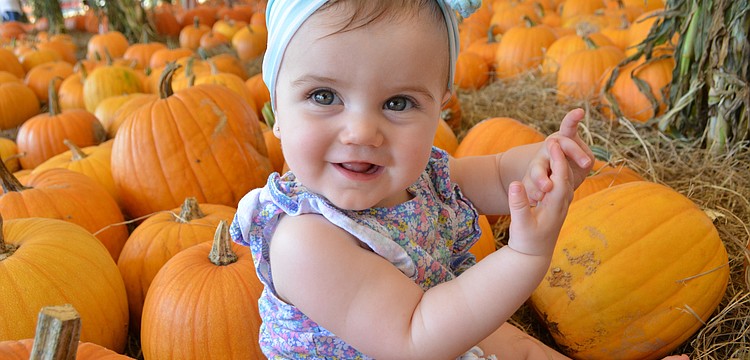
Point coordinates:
[(427, 238)]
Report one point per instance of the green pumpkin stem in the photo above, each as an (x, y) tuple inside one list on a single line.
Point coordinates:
[(267, 113), (190, 210), (590, 44), (75, 151), (58, 330), (221, 251), (8, 181)]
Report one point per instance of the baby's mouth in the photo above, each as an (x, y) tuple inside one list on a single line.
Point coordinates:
[(360, 167)]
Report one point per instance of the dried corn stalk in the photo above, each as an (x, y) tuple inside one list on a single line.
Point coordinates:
[(51, 10), (127, 17), (708, 97)]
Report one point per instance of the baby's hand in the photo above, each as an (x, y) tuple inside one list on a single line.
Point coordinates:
[(534, 231), (581, 159)]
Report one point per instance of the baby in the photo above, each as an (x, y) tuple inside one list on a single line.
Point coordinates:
[(363, 245)]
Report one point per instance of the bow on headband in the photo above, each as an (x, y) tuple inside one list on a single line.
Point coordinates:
[(284, 17)]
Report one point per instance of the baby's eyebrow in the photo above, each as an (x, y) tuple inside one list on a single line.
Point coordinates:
[(313, 79)]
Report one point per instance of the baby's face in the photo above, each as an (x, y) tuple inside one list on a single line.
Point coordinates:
[(358, 109)]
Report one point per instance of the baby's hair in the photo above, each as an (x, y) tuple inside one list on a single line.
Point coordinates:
[(368, 11)]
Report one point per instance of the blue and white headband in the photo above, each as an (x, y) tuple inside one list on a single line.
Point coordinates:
[(284, 17)]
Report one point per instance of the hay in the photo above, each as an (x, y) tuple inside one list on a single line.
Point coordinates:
[(719, 184)]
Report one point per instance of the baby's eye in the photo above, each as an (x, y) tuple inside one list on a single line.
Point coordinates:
[(398, 103), (323, 97)]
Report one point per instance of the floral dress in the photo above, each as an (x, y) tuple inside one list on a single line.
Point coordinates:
[(427, 238)]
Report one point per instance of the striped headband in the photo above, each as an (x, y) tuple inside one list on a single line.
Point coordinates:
[(284, 17)]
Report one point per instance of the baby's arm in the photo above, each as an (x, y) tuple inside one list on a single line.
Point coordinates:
[(366, 301), (485, 179)]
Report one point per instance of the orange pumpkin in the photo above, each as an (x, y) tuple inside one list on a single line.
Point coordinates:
[(92, 161), (623, 96), (108, 45), (9, 154), (41, 137), (445, 138), (141, 53), (250, 42), (521, 49), (190, 36), (50, 261), (486, 244), (67, 195), (41, 77), (581, 73), (21, 350), (35, 57), (70, 93), (204, 141), (566, 45), (18, 103), (158, 239), (197, 281), (496, 135), (9, 62), (638, 268), (605, 175), (451, 112), (260, 92), (472, 71)]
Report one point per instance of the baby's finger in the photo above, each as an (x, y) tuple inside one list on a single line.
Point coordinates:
[(576, 151), (518, 202), (569, 124), (561, 174)]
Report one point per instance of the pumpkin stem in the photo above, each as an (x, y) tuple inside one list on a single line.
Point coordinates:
[(6, 250), (267, 113), (8, 181), (54, 103), (77, 153), (190, 210), (165, 80), (590, 44), (221, 251), (58, 330)]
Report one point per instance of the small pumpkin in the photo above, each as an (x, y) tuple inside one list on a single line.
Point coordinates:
[(472, 71), (581, 74), (521, 49), (190, 36), (9, 62), (41, 77), (250, 42), (42, 136), (638, 268), (188, 300), (111, 44), (637, 90)]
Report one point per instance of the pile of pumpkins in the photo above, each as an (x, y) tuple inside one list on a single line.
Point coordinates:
[(589, 48), (144, 151)]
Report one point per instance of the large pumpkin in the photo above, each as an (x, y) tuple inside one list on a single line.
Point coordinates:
[(208, 292), (158, 239), (47, 262), (638, 268), (203, 142)]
